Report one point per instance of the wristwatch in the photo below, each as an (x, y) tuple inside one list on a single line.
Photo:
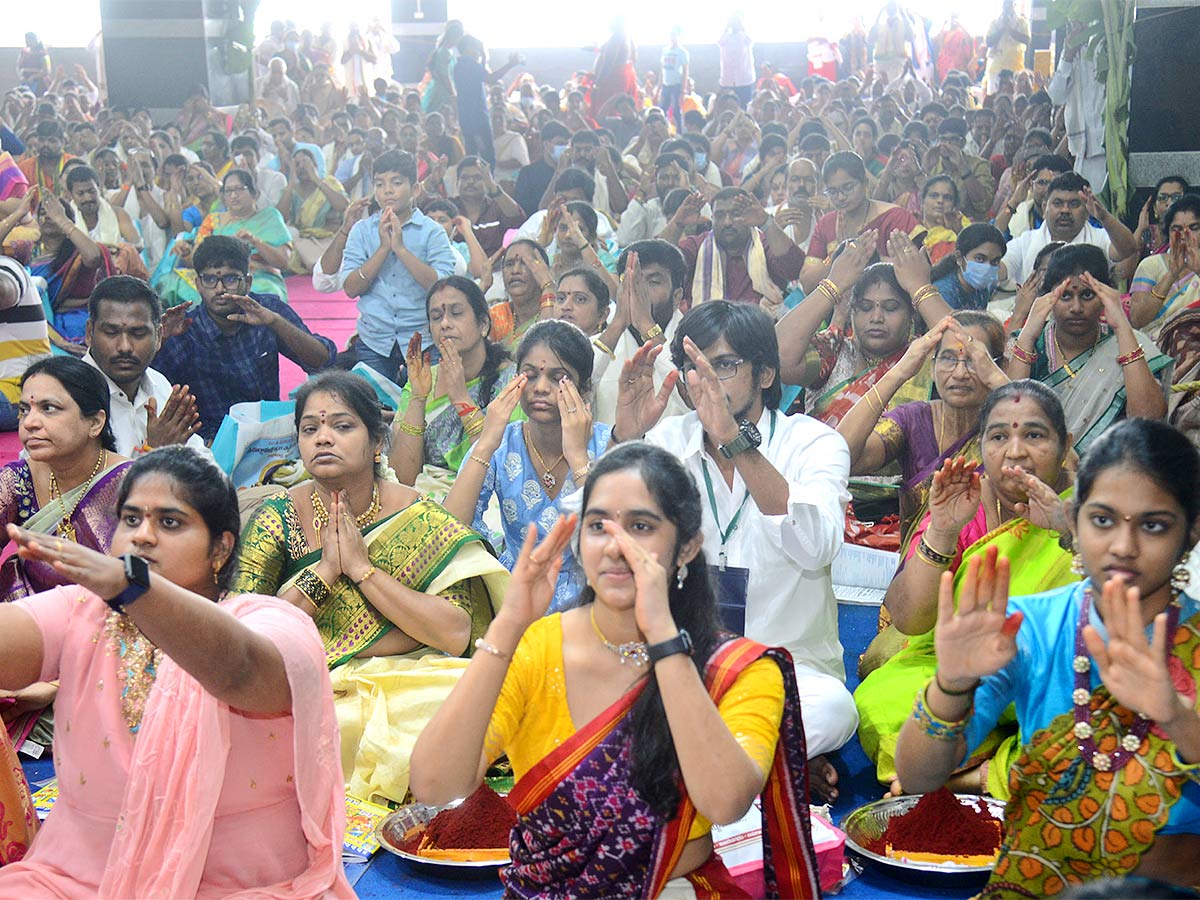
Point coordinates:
[(681, 643), (137, 573), (749, 438)]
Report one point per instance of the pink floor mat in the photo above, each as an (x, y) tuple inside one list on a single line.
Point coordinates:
[(329, 315)]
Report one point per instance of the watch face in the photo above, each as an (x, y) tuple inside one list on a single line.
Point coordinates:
[(750, 430)]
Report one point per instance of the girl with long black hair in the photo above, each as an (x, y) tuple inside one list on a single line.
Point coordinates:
[(682, 726)]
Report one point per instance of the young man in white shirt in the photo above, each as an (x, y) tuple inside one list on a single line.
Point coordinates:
[(775, 497), (124, 332)]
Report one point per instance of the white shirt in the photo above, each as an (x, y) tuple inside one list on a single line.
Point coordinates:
[(641, 221), (128, 417), (1076, 88), (606, 374), (737, 59), (790, 600), (1023, 250), (532, 230), (271, 185)]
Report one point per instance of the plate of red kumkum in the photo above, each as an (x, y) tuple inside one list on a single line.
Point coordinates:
[(938, 833), (466, 834)]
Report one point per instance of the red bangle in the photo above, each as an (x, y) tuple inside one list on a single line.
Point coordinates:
[(465, 409), (1131, 357), (1024, 355)]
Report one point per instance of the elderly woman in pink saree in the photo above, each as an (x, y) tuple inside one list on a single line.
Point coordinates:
[(196, 754)]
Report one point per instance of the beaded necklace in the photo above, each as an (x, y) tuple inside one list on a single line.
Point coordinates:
[(1132, 740)]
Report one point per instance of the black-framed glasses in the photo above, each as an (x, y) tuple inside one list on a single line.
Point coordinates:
[(1169, 198), (229, 282), (726, 367), (844, 191), (235, 189)]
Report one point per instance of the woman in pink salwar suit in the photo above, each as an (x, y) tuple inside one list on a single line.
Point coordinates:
[(196, 745)]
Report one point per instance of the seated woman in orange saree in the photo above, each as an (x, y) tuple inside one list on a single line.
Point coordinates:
[(18, 822), (613, 808)]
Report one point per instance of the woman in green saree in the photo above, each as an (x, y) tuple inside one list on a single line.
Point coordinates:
[(312, 206), (1101, 371), (1102, 673), (263, 230), (398, 589), (440, 412), (1013, 509)]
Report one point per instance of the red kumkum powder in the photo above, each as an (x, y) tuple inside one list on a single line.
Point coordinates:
[(940, 824), (482, 821)]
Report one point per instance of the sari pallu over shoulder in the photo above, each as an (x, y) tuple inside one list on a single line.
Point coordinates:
[(583, 830), (437, 551), (94, 518)]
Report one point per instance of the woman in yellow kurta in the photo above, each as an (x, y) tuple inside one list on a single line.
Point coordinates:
[(398, 588)]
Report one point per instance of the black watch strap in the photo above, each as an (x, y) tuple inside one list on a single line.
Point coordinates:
[(681, 643), (137, 574)]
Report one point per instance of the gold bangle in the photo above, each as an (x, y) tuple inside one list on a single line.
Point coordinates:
[(414, 430), (1022, 355), (867, 396), (482, 462), (585, 470), (830, 289), (367, 574), (924, 293), (474, 430), (1161, 298), (421, 397), (652, 332), (604, 348)]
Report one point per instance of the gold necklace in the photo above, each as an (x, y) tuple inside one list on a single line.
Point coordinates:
[(321, 514), (548, 478), (941, 429), (1063, 356), (65, 529), (633, 652)]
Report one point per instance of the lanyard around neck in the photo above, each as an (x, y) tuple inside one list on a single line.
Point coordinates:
[(727, 533)]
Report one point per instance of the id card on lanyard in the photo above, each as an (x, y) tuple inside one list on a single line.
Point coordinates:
[(727, 533)]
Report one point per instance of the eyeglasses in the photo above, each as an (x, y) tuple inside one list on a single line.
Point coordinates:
[(726, 367), (844, 191), (948, 362), (228, 191), (229, 282), (1169, 198)]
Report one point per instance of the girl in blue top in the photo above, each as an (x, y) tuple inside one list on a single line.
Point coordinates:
[(1103, 676), (529, 466)]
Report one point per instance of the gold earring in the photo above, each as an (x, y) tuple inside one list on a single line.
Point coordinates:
[(378, 457), (1077, 564), (1181, 575)]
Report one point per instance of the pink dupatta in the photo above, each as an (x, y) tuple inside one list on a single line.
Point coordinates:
[(178, 769)]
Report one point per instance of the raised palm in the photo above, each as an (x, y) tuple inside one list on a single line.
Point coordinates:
[(954, 496), (980, 637)]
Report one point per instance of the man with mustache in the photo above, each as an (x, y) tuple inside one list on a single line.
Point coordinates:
[(1069, 202), (745, 257), (45, 167), (124, 332), (797, 215)]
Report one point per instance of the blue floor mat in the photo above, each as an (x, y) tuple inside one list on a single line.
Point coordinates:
[(388, 876)]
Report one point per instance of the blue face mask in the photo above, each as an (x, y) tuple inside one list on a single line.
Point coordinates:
[(701, 160), (980, 275), (557, 151)]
